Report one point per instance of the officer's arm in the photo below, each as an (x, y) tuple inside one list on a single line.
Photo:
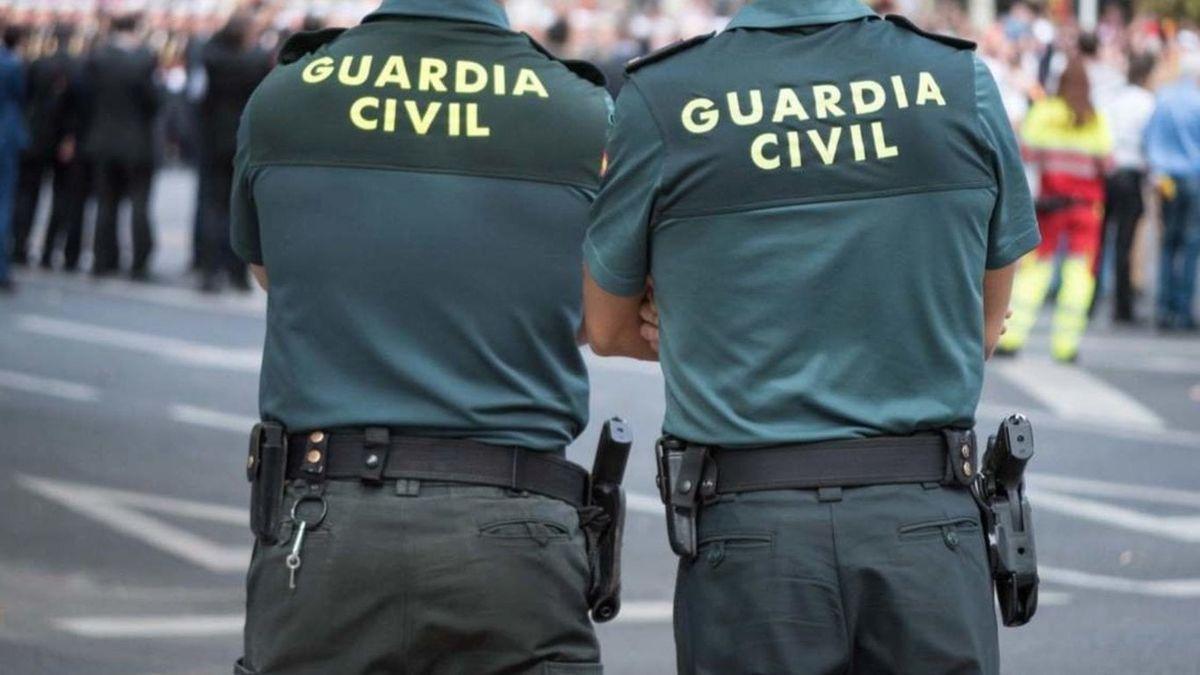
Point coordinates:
[(1012, 229), (614, 323), (260, 275), (243, 222), (616, 250), (997, 289)]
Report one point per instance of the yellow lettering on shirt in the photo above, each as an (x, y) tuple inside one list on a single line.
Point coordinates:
[(430, 76), (928, 90), (787, 144)]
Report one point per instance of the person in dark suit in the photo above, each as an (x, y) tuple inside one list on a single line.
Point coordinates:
[(50, 85), (72, 193), (120, 143), (13, 138), (233, 70)]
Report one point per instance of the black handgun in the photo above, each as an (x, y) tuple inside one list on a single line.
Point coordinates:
[(608, 471), (1008, 519)]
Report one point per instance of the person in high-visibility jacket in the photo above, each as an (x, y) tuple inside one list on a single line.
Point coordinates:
[(1069, 142)]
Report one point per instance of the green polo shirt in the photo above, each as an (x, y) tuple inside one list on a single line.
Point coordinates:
[(417, 188), (817, 193)]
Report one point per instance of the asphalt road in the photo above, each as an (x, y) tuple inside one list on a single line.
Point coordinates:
[(123, 538)]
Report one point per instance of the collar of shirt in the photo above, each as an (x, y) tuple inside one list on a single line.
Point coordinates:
[(487, 12), (784, 13)]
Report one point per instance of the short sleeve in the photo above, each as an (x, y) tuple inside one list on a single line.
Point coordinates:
[(1013, 229), (617, 245), (243, 218)]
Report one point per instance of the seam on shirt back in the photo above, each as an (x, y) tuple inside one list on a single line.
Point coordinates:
[(980, 127), (828, 199), (340, 164), (664, 152)]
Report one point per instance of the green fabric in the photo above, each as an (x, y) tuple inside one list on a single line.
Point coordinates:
[(787, 13), (442, 579), (886, 579), (422, 245), (805, 296)]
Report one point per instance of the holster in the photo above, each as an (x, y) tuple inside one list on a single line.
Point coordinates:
[(266, 467), (1013, 560), (686, 480), (605, 522), (1008, 519)]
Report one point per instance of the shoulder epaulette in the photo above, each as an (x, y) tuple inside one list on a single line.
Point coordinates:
[(300, 44), (584, 69), (660, 54), (957, 43)]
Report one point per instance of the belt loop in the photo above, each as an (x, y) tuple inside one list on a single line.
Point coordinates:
[(829, 494), (960, 456), (316, 450), (377, 443), (518, 468)]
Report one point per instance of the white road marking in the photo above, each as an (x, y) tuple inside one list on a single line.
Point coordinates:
[(1179, 528), (1086, 486), (122, 511), (619, 364), (990, 414), (1151, 363), (213, 419), (47, 386), (639, 503), (175, 349), (194, 625), (1162, 588), (252, 305), (1073, 394), (646, 611), (210, 625), (1053, 598)]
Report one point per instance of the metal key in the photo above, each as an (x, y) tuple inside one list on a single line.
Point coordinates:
[(302, 527), (293, 559)]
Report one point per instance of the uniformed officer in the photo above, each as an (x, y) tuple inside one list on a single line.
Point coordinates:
[(415, 190), (829, 205)]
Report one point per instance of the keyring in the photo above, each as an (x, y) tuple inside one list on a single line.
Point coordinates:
[(313, 523)]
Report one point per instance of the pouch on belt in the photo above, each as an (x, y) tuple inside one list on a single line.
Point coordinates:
[(266, 469)]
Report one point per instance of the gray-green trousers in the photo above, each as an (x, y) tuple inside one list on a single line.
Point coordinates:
[(883, 579), (423, 579)]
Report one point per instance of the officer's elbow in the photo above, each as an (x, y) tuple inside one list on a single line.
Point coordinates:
[(602, 339)]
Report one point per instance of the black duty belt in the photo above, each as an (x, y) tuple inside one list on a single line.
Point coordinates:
[(691, 475), (946, 457), (374, 455)]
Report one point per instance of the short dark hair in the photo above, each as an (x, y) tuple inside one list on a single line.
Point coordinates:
[(312, 22), (63, 32), (14, 36), (1089, 44), (1140, 67), (126, 23)]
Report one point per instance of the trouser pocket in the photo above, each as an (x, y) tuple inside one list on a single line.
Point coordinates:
[(951, 531)]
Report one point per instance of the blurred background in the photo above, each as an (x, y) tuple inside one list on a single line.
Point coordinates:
[(130, 337)]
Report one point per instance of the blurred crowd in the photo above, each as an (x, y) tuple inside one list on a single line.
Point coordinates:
[(94, 97)]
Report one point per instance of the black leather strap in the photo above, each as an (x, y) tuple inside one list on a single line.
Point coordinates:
[(921, 458), (369, 457)]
